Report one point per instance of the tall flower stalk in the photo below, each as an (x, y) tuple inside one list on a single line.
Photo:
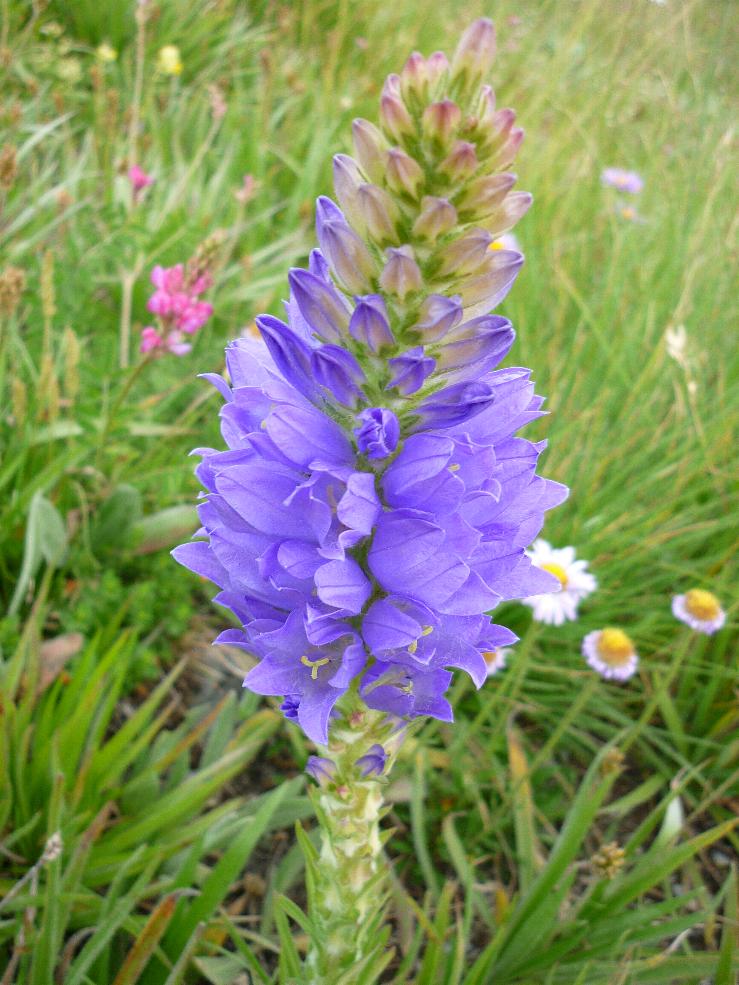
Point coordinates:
[(374, 502)]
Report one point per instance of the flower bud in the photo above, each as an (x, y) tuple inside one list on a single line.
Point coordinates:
[(379, 214), (373, 762), (410, 370), (453, 405), (378, 433), (321, 769), (482, 342), (439, 314), (437, 217), (395, 118), (484, 290), (345, 252), (437, 65), (323, 308), (347, 179), (493, 131), (414, 81), (483, 195), (338, 371), (401, 275), (475, 53), (403, 175), (466, 254), (508, 213), (461, 162), (370, 147), (369, 322), (506, 154), (440, 122)]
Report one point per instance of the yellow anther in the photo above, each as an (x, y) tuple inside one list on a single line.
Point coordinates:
[(557, 570), (314, 665), (427, 630), (454, 467), (412, 647)]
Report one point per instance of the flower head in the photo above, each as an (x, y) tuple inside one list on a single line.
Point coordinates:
[(169, 61), (106, 52), (575, 583), (374, 501), (622, 180), (496, 659), (139, 178), (610, 652), (700, 610)]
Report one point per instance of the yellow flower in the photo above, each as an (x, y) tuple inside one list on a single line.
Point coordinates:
[(106, 52), (169, 61)]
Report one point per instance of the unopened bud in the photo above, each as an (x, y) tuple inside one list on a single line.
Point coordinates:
[(440, 122), (511, 209), (466, 254), (369, 322), (379, 213), (484, 290), (438, 315), (321, 769), (370, 147), (506, 154), (414, 81), (322, 307), (461, 161), (437, 217), (401, 275), (337, 370), (347, 179), (345, 252), (437, 65), (484, 195), (474, 55), (410, 370), (403, 174), (395, 118)]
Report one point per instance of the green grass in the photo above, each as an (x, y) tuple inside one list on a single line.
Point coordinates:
[(645, 445)]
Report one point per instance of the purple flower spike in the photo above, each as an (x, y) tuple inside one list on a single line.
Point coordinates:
[(378, 434), (373, 499), (373, 762)]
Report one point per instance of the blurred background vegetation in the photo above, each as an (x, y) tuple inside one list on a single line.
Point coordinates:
[(121, 729)]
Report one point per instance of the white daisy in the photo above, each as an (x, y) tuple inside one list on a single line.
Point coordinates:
[(496, 659), (556, 608), (611, 653), (701, 611)]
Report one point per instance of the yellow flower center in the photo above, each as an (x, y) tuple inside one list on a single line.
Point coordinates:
[(702, 605), (497, 244), (557, 570), (490, 656), (314, 665), (628, 213), (614, 647)]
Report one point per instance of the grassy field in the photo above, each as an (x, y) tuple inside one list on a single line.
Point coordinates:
[(121, 731)]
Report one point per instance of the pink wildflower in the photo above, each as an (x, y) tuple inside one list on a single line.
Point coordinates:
[(177, 305), (156, 344), (139, 179)]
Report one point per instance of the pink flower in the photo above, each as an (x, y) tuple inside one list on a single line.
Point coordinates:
[(139, 178), (150, 339), (175, 303), (623, 181), (152, 342)]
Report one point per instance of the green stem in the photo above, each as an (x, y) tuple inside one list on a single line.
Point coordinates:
[(350, 877)]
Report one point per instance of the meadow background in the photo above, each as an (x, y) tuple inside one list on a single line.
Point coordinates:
[(173, 794)]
